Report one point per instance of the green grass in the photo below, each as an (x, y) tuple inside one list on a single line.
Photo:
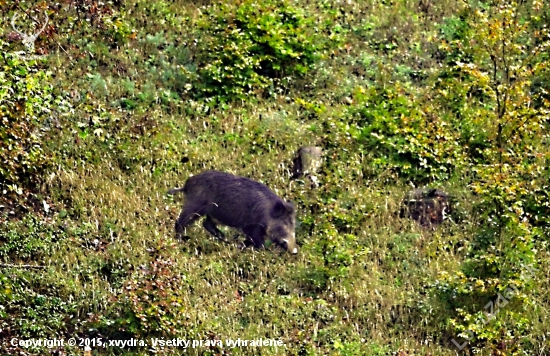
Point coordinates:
[(363, 282)]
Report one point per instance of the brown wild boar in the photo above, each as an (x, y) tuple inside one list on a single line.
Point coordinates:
[(428, 207), (307, 161), (238, 202)]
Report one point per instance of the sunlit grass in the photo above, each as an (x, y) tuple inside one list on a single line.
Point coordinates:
[(136, 132)]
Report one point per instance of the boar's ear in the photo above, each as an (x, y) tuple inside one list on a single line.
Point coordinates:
[(278, 209)]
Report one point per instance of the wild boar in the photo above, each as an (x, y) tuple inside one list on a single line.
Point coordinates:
[(237, 202), (307, 161), (428, 207)]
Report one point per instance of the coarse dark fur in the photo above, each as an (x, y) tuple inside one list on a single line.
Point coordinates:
[(238, 202), (428, 207)]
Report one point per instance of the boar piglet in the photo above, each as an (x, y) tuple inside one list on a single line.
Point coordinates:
[(238, 202)]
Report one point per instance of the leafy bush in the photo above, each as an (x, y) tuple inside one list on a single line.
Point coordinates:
[(336, 253), (398, 134), (153, 302), (26, 101), (27, 240), (507, 173), (250, 46)]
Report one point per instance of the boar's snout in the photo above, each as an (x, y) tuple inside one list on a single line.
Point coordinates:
[(283, 229), (285, 237), (290, 244)]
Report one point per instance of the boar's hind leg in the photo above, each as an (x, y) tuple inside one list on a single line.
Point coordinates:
[(211, 227), (256, 234), (188, 215)]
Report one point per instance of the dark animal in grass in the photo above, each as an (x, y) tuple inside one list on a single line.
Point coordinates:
[(238, 202), (427, 207)]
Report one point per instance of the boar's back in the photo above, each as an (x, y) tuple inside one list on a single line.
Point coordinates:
[(235, 201)]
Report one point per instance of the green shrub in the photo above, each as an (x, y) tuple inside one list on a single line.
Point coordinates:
[(399, 134), (508, 161), (153, 303), (34, 303), (27, 240), (250, 46), (26, 102)]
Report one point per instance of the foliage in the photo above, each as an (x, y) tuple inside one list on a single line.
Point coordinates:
[(400, 135), (32, 303), (153, 302), (505, 57), (41, 312), (105, 19), (396, 93), (27, 240), (26, 103), (337, 252), (250, 47)]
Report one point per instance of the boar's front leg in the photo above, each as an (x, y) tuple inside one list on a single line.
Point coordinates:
[(255, 235), (188, 215), (211, 227)]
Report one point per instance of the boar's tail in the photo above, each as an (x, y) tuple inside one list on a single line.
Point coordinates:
[(175, 190)]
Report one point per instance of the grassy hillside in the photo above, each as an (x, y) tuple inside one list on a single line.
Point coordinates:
[(130, 98)]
